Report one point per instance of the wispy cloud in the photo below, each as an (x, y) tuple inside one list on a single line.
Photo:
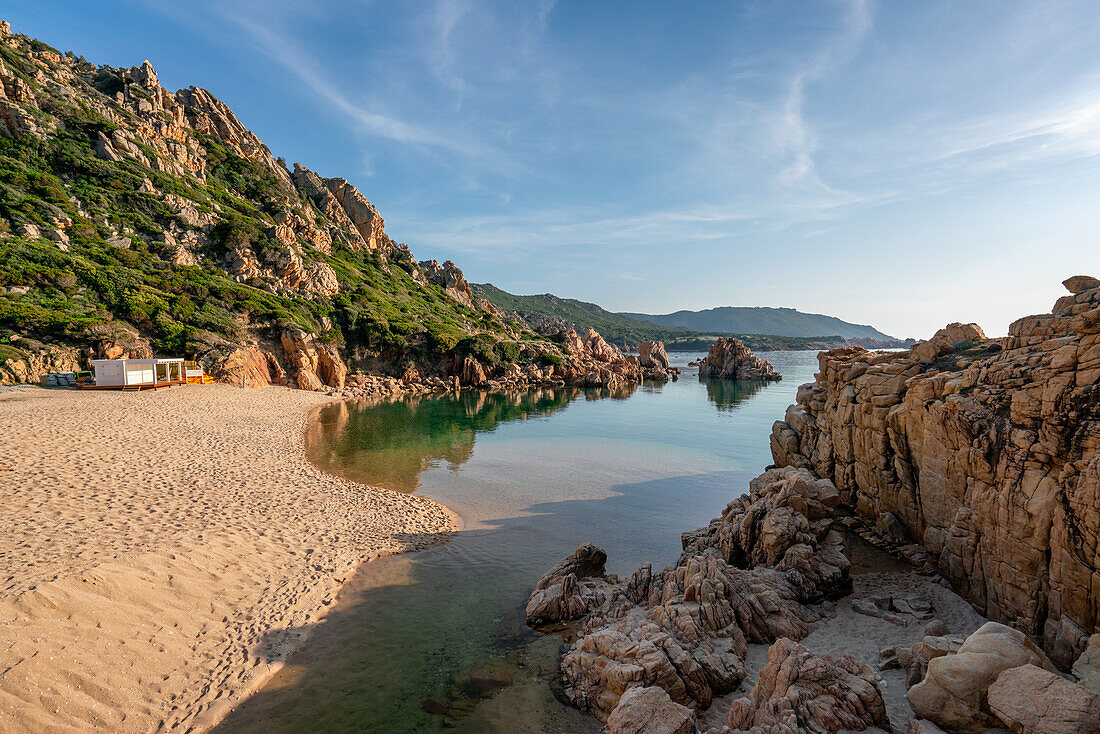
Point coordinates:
[(259, 23), (794, 132)]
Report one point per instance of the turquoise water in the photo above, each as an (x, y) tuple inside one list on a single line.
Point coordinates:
[(533, 475)]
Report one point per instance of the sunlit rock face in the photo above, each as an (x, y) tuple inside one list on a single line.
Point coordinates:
[(986, 451)]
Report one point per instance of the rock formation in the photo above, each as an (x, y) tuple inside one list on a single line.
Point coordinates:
[(448, 277), (984, 450), (730, 359), (801, 692), (316, 364), (755, 574)]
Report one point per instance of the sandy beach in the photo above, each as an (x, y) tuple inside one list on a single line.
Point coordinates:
[(163, 552)]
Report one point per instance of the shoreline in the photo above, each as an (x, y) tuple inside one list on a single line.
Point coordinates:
[(171, 550)]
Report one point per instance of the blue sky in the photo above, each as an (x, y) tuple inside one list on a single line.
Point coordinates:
[(904, 164)]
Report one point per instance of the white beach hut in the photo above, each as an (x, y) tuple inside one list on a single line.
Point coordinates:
[(138, 373)]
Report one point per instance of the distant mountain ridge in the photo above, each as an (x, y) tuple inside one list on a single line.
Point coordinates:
[(547, 313), (762, 320)]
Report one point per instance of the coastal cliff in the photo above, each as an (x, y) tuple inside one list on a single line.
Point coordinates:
[(986, 453)]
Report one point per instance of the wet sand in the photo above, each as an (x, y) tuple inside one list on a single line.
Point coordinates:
[(162, 553)]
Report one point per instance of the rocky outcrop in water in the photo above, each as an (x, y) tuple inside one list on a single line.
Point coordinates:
[(756, 574), (652, 354), (730, 359), (984, 450)]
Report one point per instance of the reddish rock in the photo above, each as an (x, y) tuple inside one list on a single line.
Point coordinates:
[(730, 359)]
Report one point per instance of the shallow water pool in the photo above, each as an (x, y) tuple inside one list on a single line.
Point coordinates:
[(436, 640)]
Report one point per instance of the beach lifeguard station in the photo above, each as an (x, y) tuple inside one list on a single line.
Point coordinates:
[(136, 374)]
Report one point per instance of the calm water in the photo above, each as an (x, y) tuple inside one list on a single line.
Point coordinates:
[(533, 475)]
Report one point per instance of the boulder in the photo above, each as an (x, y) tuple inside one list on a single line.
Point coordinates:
[(798, 691), (316, 364), (649, 710), (754, 574), (1031, 700), (914, 659), (953, 694)]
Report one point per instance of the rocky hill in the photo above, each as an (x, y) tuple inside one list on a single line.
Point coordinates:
[(763, 320), (136, 220), (548, 313)]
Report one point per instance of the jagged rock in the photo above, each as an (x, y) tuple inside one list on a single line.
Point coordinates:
[(251, 367), (749, 576), (599, 349), (315, 188), (364, 217), (785, 522), (953, 694), (798, 691), (1030, 700), (448, 277), (473, 374), (730, 359), (652, 354), (571, 589), (983, 450), (945, 340), (208, 114), (316, 364), (914, 660), (649, 710)]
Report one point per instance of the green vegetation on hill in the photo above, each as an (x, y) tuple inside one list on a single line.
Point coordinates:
[(87, 237), (553, 312)]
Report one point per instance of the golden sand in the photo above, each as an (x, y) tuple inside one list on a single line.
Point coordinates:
[(162, 553)]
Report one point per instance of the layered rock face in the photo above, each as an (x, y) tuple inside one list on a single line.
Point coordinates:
[(755, 574), (730, 359), (985, 450)]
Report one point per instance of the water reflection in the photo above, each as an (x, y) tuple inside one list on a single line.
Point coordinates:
[(435, 641), (728, 394), (391, 443)]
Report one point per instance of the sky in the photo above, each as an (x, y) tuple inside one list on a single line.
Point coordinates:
[(902, 164)]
